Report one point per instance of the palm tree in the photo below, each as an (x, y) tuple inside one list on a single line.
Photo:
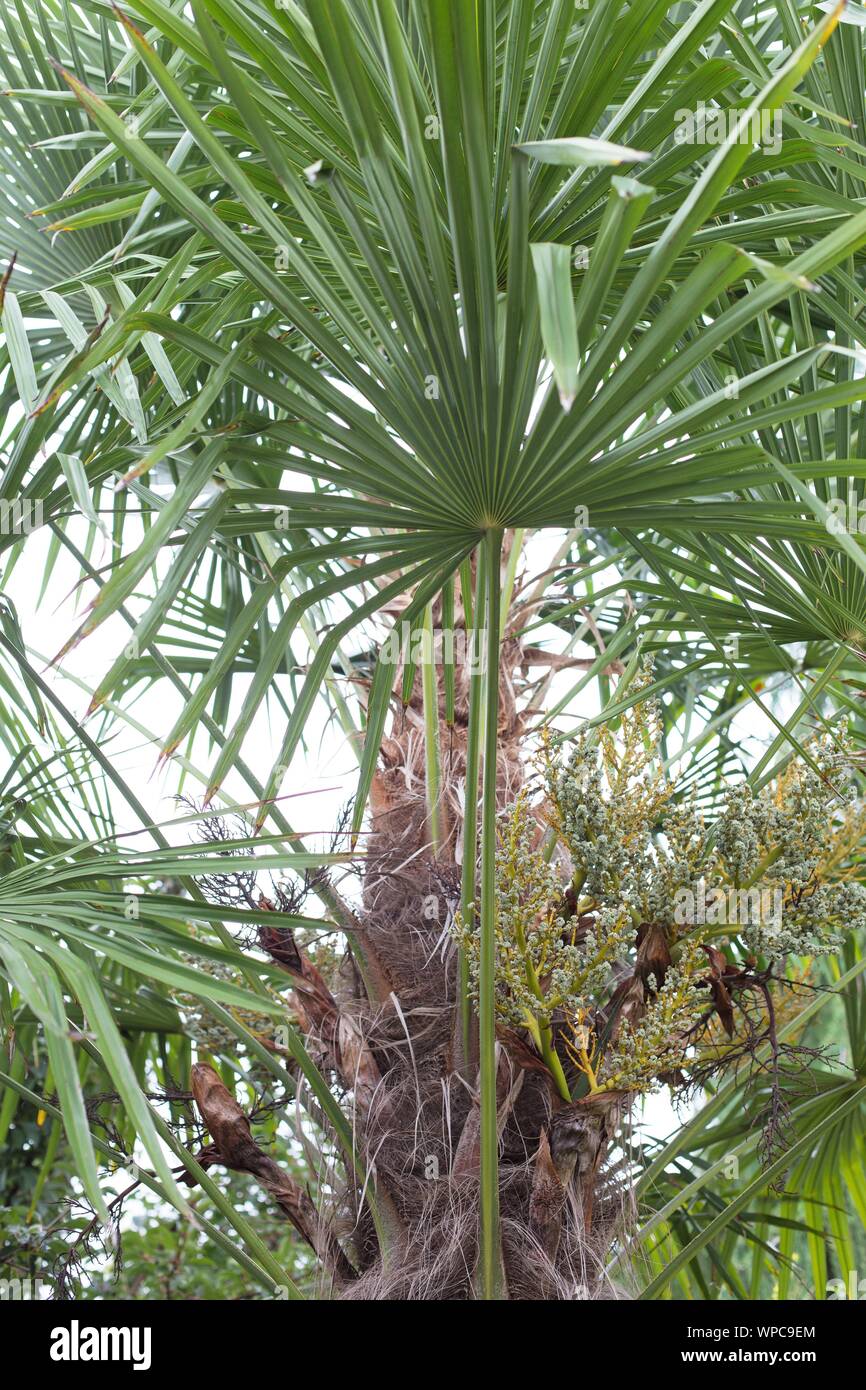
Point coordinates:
[(348, 301)]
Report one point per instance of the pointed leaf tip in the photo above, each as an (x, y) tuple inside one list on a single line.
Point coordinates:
[(576, 152)]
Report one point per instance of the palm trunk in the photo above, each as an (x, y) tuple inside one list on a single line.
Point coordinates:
[(429, 1097)]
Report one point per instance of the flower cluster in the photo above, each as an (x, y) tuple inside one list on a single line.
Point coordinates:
[(655, 1044), (624, 923), (791, 839), (547, 958), (606, 798)]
